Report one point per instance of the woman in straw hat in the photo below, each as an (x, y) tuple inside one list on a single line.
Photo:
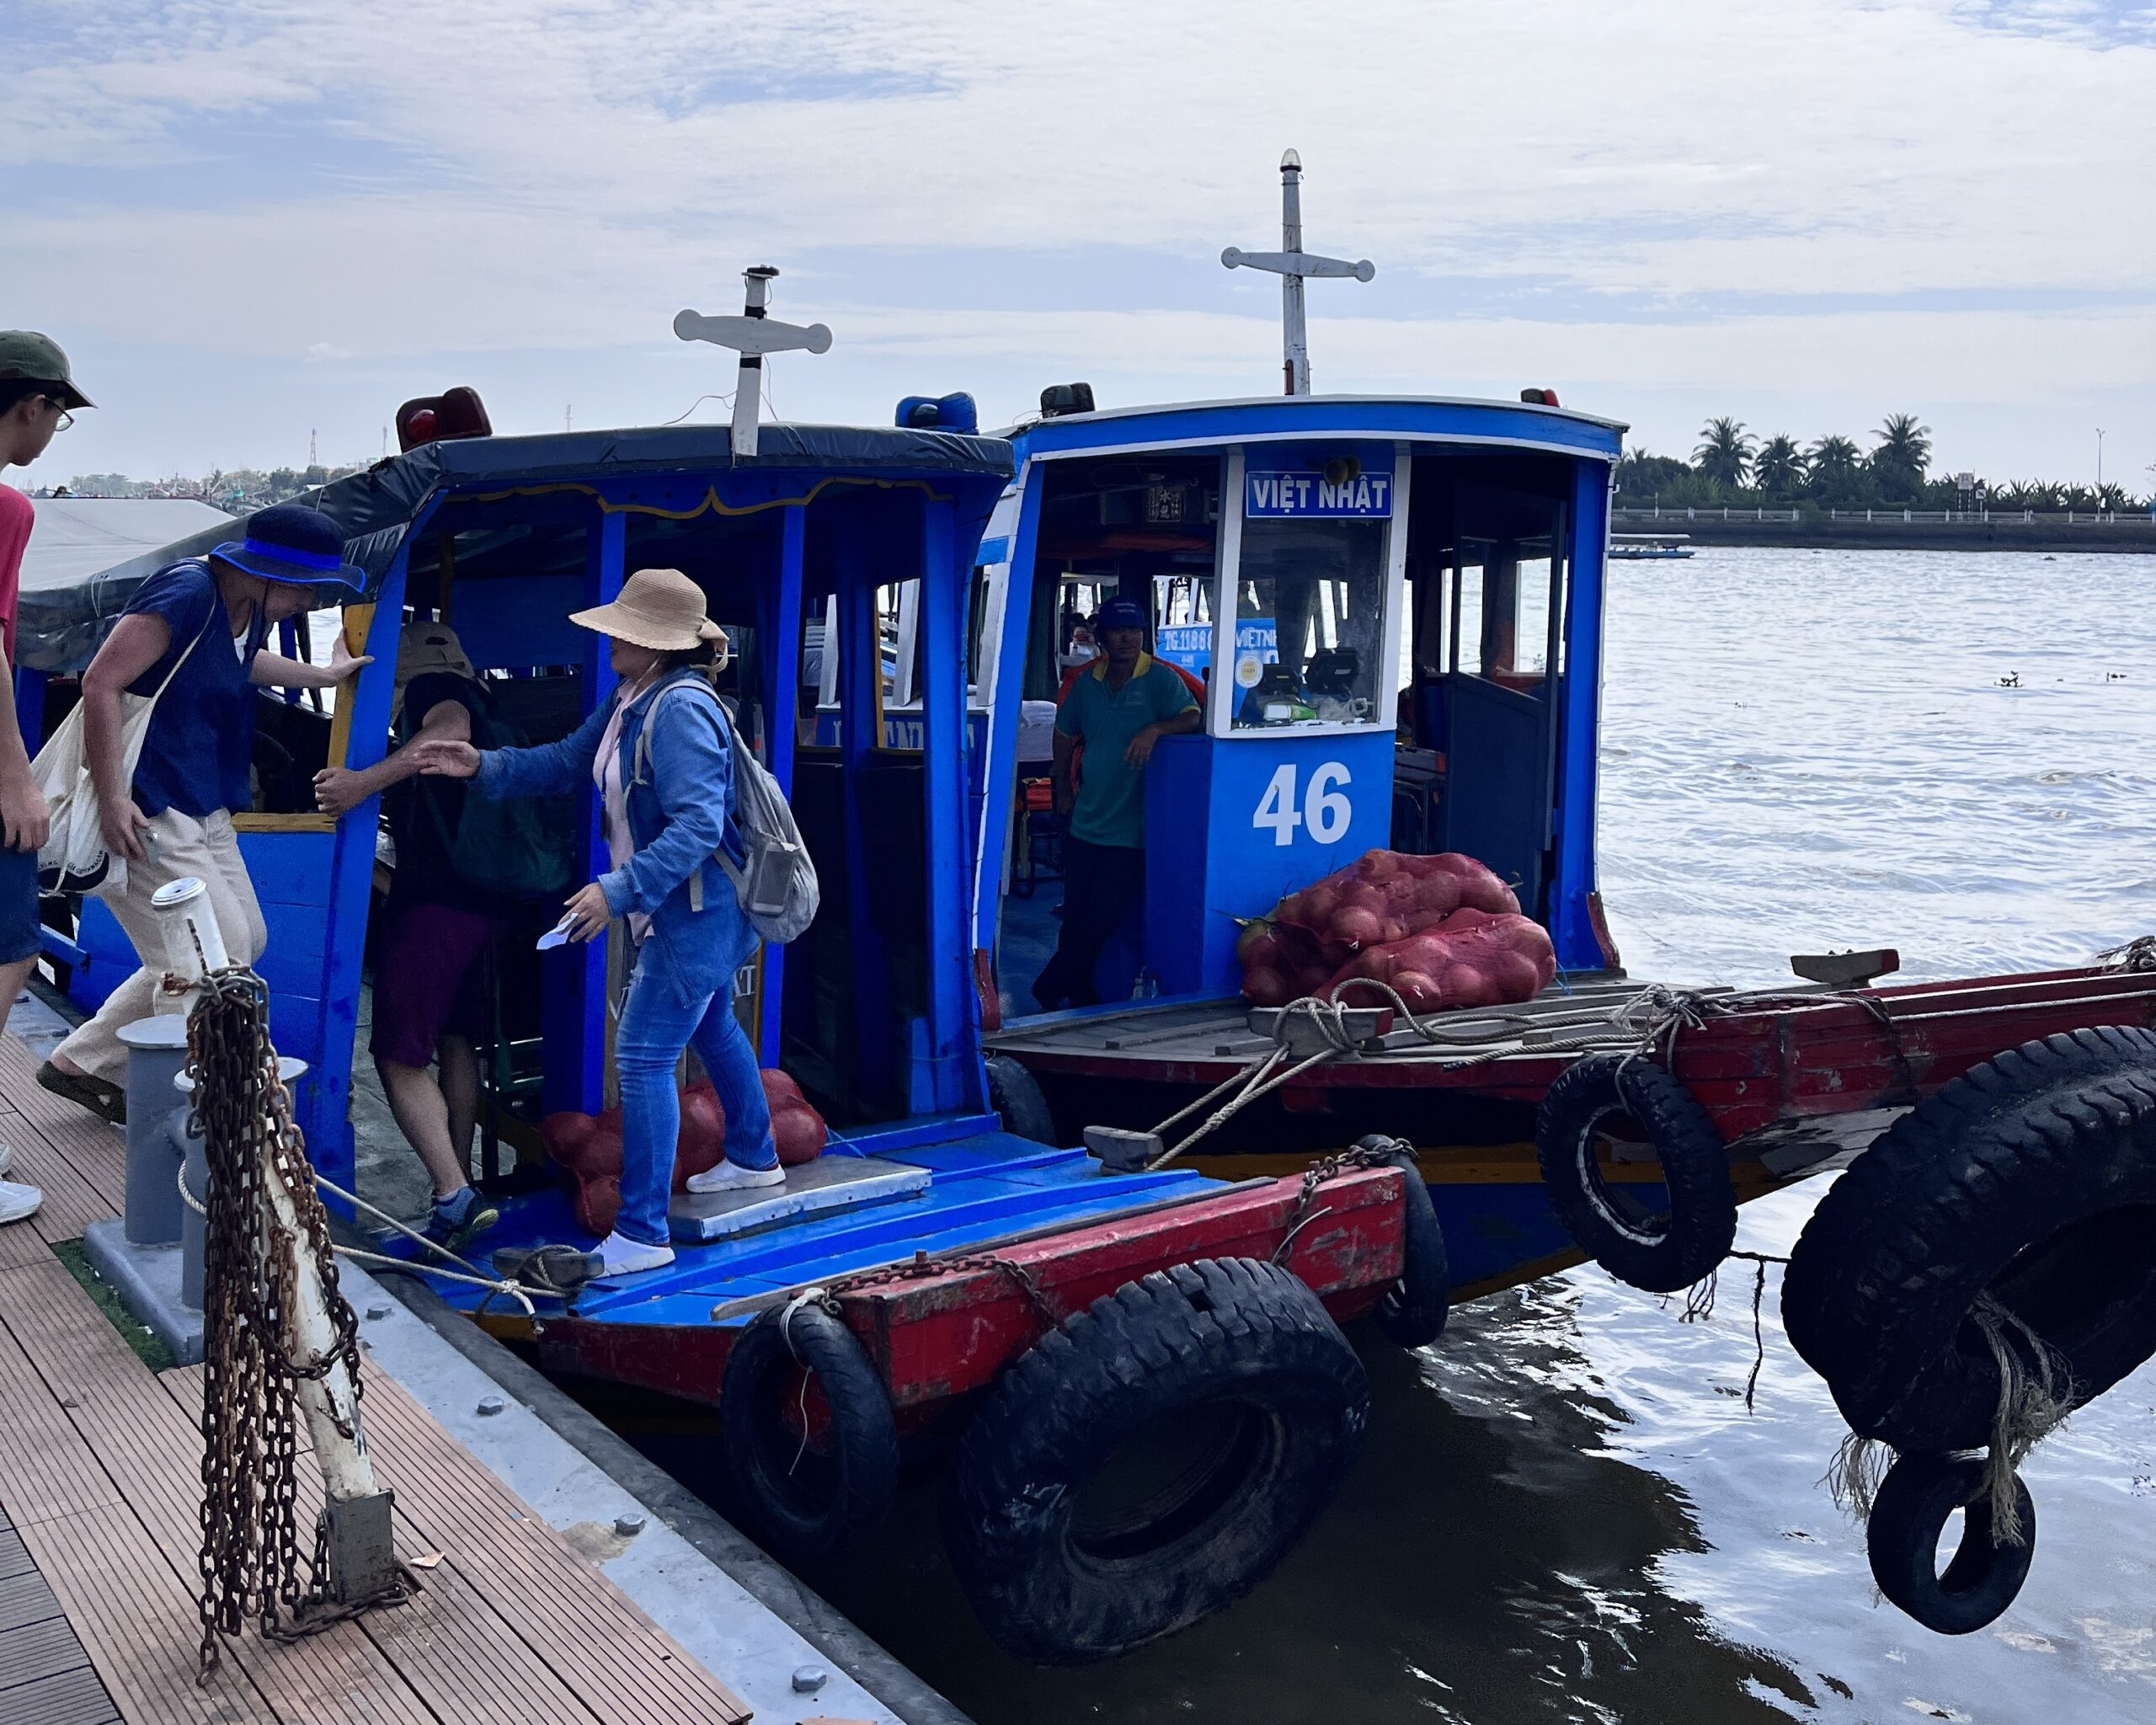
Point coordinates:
[(668, 807)]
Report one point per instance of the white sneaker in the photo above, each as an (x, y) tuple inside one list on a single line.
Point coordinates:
[(617, 1255), (732, 1177), (19, 1203)]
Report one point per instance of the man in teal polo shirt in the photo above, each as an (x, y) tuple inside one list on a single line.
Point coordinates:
[(1118, 709)]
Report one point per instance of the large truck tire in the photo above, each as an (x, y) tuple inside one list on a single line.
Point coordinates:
[(2024, 1193), (1151, 1458)]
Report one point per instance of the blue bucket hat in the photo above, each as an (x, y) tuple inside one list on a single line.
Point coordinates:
[(1118, 614), (292, 543)]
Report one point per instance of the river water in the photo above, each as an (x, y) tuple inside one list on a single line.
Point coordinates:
[(1564, 1511)]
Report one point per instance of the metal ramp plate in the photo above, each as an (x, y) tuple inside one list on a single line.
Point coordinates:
[(828, 1183)]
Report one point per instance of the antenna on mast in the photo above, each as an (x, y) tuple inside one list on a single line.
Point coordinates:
[(752, 334), (1292, 263)]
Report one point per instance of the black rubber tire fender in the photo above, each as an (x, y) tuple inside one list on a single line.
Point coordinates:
[(1915, 1501), (1014, 1098), (848, 1487), (1413, 1310), (2032, 1177), (1660, 1253), (1231, 1346)]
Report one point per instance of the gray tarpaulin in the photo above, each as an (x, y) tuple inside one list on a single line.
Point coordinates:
[(60, 623), (78, 543)]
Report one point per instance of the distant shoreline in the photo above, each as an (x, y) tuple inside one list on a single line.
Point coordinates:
[(2129, 534)]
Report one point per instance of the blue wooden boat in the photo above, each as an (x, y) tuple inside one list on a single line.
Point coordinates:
[(899, 1288)]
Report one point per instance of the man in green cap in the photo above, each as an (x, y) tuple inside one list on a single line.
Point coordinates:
[(37, 397)]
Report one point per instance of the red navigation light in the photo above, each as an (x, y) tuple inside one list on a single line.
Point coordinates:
[(436, 418)]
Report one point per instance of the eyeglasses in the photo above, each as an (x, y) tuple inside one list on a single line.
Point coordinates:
[(66, 418)]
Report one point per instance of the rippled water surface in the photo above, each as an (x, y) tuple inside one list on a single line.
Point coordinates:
[(1564, 1511)]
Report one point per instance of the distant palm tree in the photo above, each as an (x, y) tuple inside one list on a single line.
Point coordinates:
[(1903, 451), (1725, 451), (1834, 459), (1778, 469)]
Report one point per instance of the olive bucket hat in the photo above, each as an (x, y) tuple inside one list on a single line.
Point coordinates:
[(26, 356)]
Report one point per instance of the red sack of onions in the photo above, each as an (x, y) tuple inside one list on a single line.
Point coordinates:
[(1386, 896), (1473, 959), (588, 1147)]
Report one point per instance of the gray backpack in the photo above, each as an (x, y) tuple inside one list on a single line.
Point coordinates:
[(777, 889)]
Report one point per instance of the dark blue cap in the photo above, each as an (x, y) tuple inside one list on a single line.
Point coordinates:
[(1118, 614), (292, 543)]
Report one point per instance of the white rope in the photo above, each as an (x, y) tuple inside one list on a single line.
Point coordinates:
[(476, 1278), (807, 1297)]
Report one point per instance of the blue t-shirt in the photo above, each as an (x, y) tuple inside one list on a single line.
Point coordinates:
[(200, 743)]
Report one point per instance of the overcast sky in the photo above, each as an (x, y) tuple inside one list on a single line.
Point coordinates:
[(247, 219)]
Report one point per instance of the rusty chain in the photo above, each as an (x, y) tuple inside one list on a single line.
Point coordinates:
[(1368, 1154), (920, 1267), (250, 1560)]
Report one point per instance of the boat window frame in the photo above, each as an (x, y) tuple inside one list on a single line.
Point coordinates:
[(1227, 565)]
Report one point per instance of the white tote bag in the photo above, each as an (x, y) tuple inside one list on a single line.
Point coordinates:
[(74, 858)]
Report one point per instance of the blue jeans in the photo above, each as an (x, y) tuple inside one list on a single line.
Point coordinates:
[(656, 1025)]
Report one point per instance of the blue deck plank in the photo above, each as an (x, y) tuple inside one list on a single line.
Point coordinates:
[(986, 1186)]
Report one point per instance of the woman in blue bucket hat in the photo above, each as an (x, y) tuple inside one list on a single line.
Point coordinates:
[(192, 638)]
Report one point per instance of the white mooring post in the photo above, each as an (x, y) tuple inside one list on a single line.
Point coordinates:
[(752, 334), (1292, 263)]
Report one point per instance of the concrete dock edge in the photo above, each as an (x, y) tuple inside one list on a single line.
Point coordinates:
[(851, 1655)]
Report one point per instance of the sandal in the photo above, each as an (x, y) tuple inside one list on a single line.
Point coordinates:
[(108, 1101)]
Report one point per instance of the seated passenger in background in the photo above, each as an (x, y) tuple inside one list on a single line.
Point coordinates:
[(439, 941), (1119, 709)]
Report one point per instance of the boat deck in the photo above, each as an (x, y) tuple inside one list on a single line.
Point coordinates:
[(99, 1490), (1211, 1039), (942, 1184)]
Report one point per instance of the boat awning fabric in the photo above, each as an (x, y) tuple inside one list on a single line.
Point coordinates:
[(59, 627), (76, 541)]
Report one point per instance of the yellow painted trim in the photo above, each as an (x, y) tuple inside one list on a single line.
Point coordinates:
[(283, 823), (357, 623), (710, 506)]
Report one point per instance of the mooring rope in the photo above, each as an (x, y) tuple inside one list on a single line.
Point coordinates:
[(2035, 1395)]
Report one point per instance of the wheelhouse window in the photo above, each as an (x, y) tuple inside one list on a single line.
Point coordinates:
[(1311, 587)]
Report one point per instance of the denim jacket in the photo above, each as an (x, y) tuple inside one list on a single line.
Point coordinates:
[(677, 818)]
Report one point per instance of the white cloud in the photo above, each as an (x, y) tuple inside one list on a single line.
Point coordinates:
[(563, 174)]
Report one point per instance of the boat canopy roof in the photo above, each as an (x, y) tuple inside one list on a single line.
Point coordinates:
[(1439, 418), (61, 624)]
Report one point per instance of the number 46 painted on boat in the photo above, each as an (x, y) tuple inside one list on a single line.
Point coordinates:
[(1326, 808)]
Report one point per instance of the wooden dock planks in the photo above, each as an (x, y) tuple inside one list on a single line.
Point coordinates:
[(626, 1669), (100, 1475)]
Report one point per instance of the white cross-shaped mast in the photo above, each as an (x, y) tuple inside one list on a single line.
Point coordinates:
[(1292, 263), (752, 334)]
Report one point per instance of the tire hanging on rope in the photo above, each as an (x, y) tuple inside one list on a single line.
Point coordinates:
[(815, 1479), (1659, 1251), (1413, 1310), (1918, 1497), (1991, 1261)]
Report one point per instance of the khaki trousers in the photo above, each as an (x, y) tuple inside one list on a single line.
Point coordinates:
[(207, 849)]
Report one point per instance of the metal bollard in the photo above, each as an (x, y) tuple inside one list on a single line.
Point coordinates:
[(157, 1050)]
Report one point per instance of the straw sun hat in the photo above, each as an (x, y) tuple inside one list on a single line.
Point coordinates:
[(661, 609)]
